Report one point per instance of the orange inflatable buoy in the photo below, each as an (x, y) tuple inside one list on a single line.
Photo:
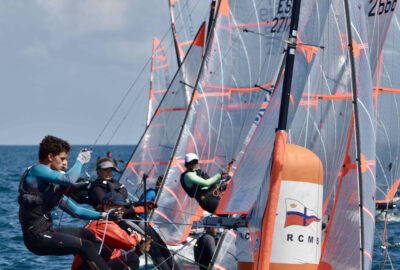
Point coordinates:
[(297, 232)]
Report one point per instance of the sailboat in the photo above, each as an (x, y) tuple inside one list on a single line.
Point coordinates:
[(223, 108), (386, 96), (324, 123), (387, 114), (330, 118)]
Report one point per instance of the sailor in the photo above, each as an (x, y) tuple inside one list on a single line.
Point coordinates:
[(199, 185), (104, 184), (205, 247), (120, 249), (42, 189), (151, 194)]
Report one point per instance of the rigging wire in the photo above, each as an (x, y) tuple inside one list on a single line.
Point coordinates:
[(134, 83), (385, 243)]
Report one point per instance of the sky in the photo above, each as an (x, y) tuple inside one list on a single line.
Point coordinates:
[(65, 66)]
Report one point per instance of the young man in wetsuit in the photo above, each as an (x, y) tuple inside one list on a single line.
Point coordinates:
[(42, 189), (117, 249), (104, 183), (199, 185)]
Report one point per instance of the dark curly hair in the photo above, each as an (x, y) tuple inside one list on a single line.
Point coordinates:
[(52, 145)]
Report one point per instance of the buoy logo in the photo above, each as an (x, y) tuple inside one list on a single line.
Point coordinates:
[(298, 214)]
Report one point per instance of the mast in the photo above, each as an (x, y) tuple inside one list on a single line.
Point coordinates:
[(264, 255), (212, 13), (173, 28), (357, 128), (290, 54)]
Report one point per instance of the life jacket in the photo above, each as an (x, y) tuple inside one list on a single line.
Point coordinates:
[(36, 204), (110, 186), (106, 186), (80, 195), (195, 191), (39, 200)]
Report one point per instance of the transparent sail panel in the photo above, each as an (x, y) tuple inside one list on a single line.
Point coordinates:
[(159, 78), (227, 100), (186, 17), (226, 255), (379, 16), (387, 98), (154, 150)]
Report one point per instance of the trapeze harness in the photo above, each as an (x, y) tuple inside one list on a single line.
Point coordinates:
[(205, 197), (37, 203)]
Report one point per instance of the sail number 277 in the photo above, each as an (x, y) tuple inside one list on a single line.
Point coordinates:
[(282, 19), (381, 6)]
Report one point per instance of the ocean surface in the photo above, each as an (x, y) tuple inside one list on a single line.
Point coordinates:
[(15, 159)]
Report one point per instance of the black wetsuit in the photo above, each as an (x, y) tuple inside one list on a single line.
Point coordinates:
[(38, 195), (159, 252), (204, 250)]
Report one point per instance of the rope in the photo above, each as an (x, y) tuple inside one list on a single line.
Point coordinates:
[(160, 222), (173, 253), (105, 232), (385, 243), (72, 212), (124, 98), (134, 83)]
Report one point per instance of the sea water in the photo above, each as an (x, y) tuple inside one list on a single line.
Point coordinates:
[(15, 159)]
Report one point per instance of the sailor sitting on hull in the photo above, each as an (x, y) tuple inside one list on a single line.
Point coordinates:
[(105, 184), (200, 186), (120, 249)]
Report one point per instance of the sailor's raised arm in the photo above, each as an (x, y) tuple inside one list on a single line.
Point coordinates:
[(65, 179)]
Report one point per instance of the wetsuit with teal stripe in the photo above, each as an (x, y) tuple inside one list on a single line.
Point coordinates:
[(42, 173), (41, 190)]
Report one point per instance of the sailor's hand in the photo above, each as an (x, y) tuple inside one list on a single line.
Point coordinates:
[(227, 178), (139, 236), (146, 245), (224, 173), (84, 156), (113, 214), (151, 204), (83, 185)]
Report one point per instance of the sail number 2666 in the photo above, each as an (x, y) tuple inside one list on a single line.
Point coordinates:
[(381, 6)]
